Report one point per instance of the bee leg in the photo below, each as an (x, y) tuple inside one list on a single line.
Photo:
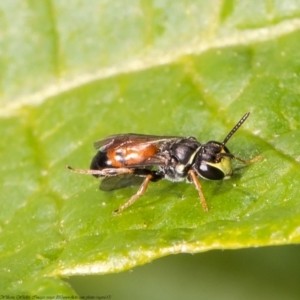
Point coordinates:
[(250, 161), (139, 193), (108, 172), (197, 184)]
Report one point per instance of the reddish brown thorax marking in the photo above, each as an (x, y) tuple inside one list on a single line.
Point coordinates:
[(131, 155)]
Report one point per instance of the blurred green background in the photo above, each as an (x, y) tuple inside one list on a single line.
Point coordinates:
[(263, 273), (75, 72)]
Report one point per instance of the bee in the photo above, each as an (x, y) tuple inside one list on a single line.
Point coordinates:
[(124, 160)]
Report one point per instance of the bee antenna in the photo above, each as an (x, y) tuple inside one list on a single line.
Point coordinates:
[(235, 128)]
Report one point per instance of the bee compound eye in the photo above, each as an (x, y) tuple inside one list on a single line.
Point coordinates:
[(211, 172)]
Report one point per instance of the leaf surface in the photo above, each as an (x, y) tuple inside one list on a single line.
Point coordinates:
[(75, 73)]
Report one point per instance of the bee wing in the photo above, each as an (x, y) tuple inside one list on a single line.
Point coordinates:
[(120, 182), (122, 140), (155, 160)]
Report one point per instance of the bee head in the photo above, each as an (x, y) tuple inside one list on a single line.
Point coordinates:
[(213, 159)]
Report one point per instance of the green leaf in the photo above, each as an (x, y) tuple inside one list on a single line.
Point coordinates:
[(73, 73)]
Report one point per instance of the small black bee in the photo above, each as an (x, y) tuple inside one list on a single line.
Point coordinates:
[(130, 159)]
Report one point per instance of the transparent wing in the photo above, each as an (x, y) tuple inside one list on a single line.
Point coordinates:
[(120, 182), (122, 140)]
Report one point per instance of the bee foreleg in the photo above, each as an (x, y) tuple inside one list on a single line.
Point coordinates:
[(250, 161), (197, 184)]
